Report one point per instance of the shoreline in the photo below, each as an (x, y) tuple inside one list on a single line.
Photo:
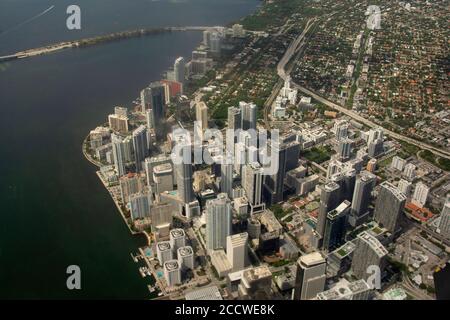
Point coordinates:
[(97, 40)]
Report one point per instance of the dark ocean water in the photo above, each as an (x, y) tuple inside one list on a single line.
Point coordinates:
[(54, 212)]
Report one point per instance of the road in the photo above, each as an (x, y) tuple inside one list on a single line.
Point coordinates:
[(281, 68)]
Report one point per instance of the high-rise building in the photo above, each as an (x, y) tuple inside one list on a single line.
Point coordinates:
[(172, 273), (398, 163), (206, 39), (183, 173), (179, 69), (215, 43), (376, 148), (140, 144), (252, 180), (130, 184), (237, 250), (356, 290), (201, 116), (186, 257), (444, 225), (161, 215), (368, 252), (409, 172), (122, 149), (345, 148), (140, 205), (256, 284), (151, 163), (226, 176), (218, 222), (118, 123), (361, 198), (234, 118), (164, 252), (389, 206), (287, 155), (372, 165), (404, 187), (420, 195), (253, 228), (154, 97), (340, 129), (163, 178), (311, 276), (177, 239), (330, 198), (336, 226), (248, 112)]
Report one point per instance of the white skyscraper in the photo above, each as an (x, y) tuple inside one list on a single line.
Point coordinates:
[(164, 252), (237, 250), (122, 149), (444, 225), (252, 182), (404, 187), (311, 276), (248, 112), (177, 239), (409, 172), (420, 195), (178, 69), (172, 272), (218, 222), (185, 257), (398, 163)]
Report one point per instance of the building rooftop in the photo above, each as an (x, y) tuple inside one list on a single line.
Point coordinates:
[(209, 293), (311, 259)]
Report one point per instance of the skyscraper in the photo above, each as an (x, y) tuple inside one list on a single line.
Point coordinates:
[(444, 225), (248, 112), (122, 149), (336, 226), (140, 144), (164, 252), (226, 176), (420, 195), (130, 184), (345, 148), (389, 206), (218, 222), (153, 97), (201, 116), (368, 252), (361, 198), (177, 239), (186, 257), (237, 250), (287, 155), (234, 118), (140, 205), (330, 198), (404, 187), (256, 283), (172, 272), (252, 182), (179, 69), (311, 276), (183, 172)]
